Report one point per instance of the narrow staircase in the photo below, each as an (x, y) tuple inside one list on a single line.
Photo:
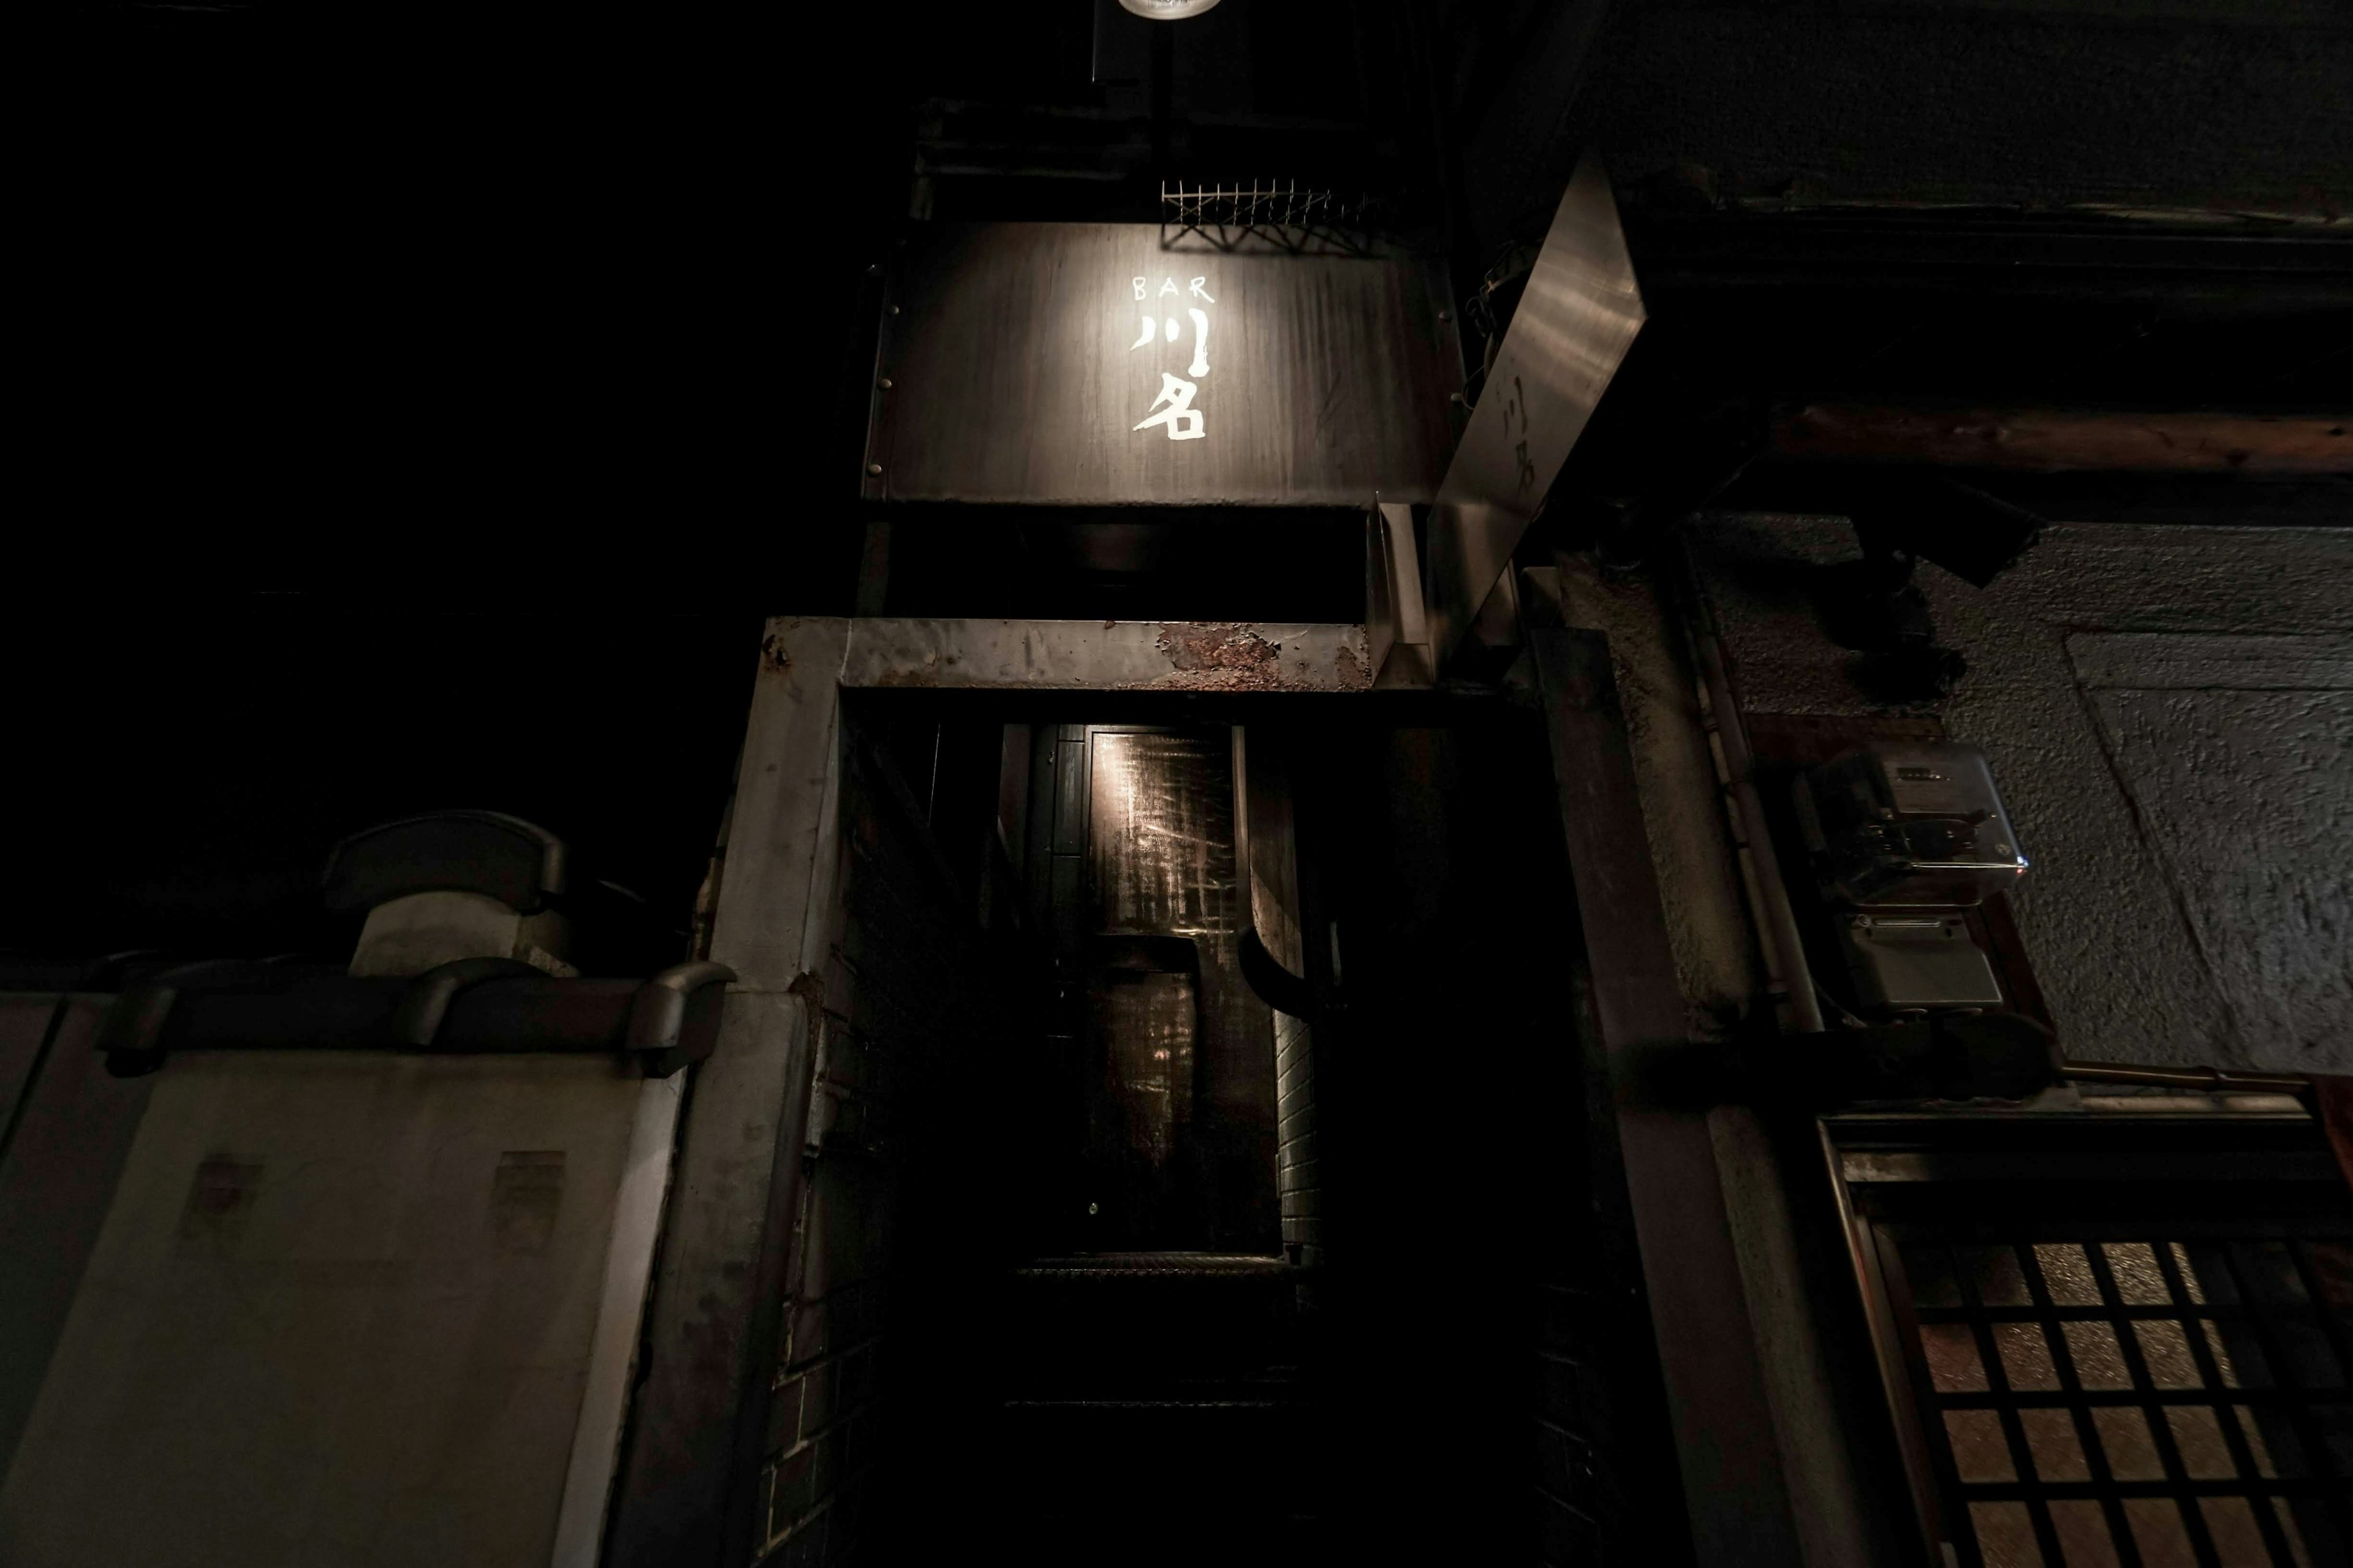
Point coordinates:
[(1163, 1396)]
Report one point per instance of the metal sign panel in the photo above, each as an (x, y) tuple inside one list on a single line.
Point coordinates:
[(1575, 323), (1128, 363)]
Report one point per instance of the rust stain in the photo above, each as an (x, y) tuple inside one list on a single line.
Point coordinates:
[(1219, 657)]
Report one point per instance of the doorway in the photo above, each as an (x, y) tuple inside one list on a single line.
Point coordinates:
[(1028, 895)]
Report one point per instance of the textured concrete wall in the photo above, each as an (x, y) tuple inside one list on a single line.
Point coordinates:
[(2170, 712)]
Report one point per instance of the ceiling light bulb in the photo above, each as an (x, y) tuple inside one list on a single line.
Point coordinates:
[(1166, 10)]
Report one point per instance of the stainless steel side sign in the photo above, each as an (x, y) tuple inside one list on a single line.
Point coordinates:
[(1576, 321)]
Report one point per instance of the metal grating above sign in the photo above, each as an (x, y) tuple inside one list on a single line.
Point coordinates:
[(1130, 363)]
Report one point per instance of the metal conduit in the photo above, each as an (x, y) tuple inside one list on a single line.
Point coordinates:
[(1787, 951), (2214, 1081)]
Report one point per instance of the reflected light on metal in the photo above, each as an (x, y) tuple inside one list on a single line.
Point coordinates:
[(1167, 10), (1575, 323)]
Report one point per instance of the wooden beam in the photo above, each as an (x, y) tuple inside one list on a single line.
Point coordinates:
[(2056, 440)]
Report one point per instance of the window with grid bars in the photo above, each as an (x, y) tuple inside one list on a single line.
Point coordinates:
[(2141, 1367)]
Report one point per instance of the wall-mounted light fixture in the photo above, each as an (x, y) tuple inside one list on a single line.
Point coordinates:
[(1167, 10)]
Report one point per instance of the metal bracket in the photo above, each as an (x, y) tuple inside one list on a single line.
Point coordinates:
[(132, 1033), (658, 1016)]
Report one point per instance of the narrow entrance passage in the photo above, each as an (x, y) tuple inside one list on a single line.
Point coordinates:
[(1071, 1221), (1061, 1274), (1133, 876), (1152, 1368)]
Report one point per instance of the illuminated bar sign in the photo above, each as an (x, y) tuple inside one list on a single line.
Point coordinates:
[(1125, 364)]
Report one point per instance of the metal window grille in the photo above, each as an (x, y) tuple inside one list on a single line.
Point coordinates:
[(2089, 1378), (1285, 213), (2099, 1391)]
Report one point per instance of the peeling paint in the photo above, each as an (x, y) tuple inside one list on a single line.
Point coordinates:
[(1217, 647), (1126, 656)]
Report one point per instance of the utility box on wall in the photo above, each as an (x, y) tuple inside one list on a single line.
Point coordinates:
[(1148, 365), (1905, 836)]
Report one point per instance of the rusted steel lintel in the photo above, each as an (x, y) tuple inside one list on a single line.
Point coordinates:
[(1105, 656), (2056, 439)]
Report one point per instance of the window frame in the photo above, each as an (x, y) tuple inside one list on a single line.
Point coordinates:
[(2249, 1168)]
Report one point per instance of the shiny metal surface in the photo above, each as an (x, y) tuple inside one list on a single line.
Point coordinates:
[(1147, 1023), (1161, 836), (1183, 1110), (1574, 325), (1109, 363), (1397, 631)]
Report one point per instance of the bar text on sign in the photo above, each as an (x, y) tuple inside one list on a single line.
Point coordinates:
[(1173, 409)]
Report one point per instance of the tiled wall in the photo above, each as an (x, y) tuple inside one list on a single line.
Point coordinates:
[(1299, 1178), (1577, 1500), (909, 995), (823, 1423)]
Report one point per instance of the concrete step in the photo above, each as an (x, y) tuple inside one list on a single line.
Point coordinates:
[(1147, 1326)]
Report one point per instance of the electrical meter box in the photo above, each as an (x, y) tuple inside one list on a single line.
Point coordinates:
[(1907, 824)]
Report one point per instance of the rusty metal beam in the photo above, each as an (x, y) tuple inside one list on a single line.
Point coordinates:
[(1099, 655), (2053, 440)]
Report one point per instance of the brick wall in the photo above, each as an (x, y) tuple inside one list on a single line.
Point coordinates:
[(911, 997), (1578, 1500), (1298, 1175), (1608, 1488)]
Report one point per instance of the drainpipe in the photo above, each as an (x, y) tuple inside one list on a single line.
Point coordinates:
[(1790, 977)]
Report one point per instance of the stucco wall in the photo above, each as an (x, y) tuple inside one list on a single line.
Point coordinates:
[(2170, 712)]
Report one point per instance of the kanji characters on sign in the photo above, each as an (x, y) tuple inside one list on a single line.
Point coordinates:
[(1173, 409)]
